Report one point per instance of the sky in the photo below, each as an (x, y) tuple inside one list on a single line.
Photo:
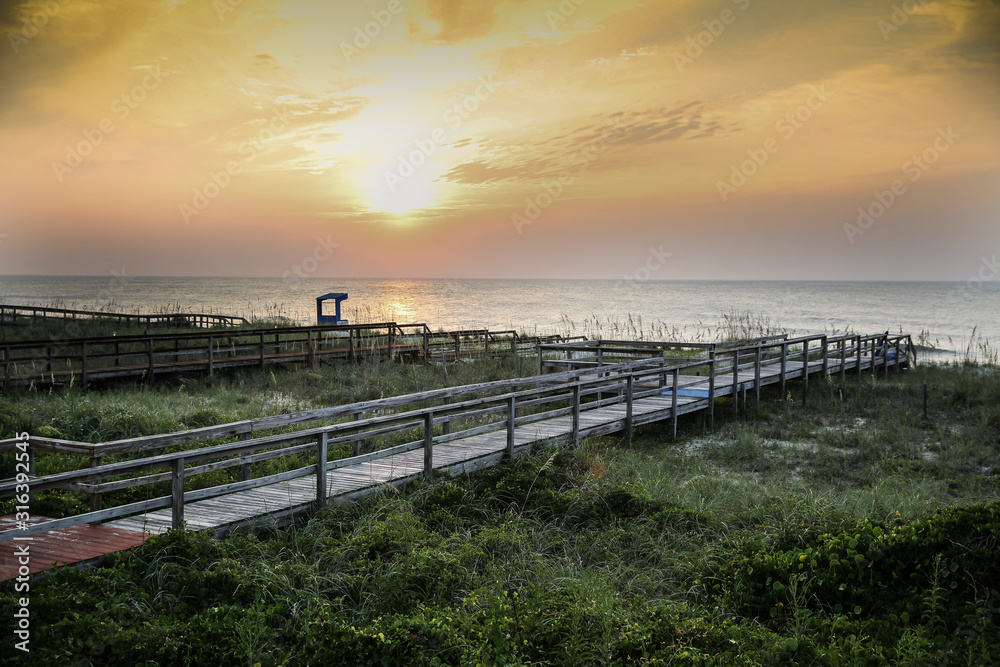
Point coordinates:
[(721, 139)]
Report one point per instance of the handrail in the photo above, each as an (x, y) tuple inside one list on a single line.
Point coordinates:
[(97, 314), (609, 384)]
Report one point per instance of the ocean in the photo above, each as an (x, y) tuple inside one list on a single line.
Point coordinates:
[(941, 314)]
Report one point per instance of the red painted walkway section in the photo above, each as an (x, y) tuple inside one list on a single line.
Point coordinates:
[(61, 547)]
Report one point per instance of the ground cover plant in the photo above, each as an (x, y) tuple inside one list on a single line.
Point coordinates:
[(855, 531)]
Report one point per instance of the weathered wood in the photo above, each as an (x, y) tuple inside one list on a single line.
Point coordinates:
[(575, 407), (312, 350), (627, 407), (177, 494), (511, 423), (756, 378), (321, 454), (429, 444), (736, 381), (711, 391), (805, 371), (673, 404)]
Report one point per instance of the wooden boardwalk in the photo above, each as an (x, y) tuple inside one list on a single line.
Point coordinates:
[(146, 356), (74, 544), (545, 410)]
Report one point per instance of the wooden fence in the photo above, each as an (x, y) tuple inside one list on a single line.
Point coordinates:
[(351, 434)]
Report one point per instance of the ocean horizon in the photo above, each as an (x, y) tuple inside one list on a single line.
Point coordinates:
[(943, 314)]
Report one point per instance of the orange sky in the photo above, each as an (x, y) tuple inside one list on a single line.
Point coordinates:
[(491, 138)]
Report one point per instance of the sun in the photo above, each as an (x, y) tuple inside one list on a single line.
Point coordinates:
[(401, 189)]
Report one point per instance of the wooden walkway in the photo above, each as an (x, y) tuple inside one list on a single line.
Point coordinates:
[(84, 360), (74, 544), (545, 410)]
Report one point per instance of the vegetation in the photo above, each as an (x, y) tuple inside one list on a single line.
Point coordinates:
[(857, 531)]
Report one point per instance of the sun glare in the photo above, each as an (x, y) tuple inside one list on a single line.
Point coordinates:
[(400, 192)]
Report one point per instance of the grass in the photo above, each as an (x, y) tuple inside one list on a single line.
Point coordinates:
[(857, 531)]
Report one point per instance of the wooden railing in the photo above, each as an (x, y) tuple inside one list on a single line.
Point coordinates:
[(520, 402), (425, 419), (10, 314), (87, 359)]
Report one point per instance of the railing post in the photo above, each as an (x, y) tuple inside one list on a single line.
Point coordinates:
[(628, 409), (843, 360), (736, 381), (446, 426), (756, 379), (429, 445), (6, 368), (538, 353), (826, 358), (426, 345), (673, 404), (784, 367), (177, 493), (211, 355), (858, 351), (262, 351), (511, 418), (356, 445), (311, 344), (321, 453), (805, 370), (576, 414), (149, 349), (885, 357), (83, 364), (711, 391), (96, 499), (350, 344)]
